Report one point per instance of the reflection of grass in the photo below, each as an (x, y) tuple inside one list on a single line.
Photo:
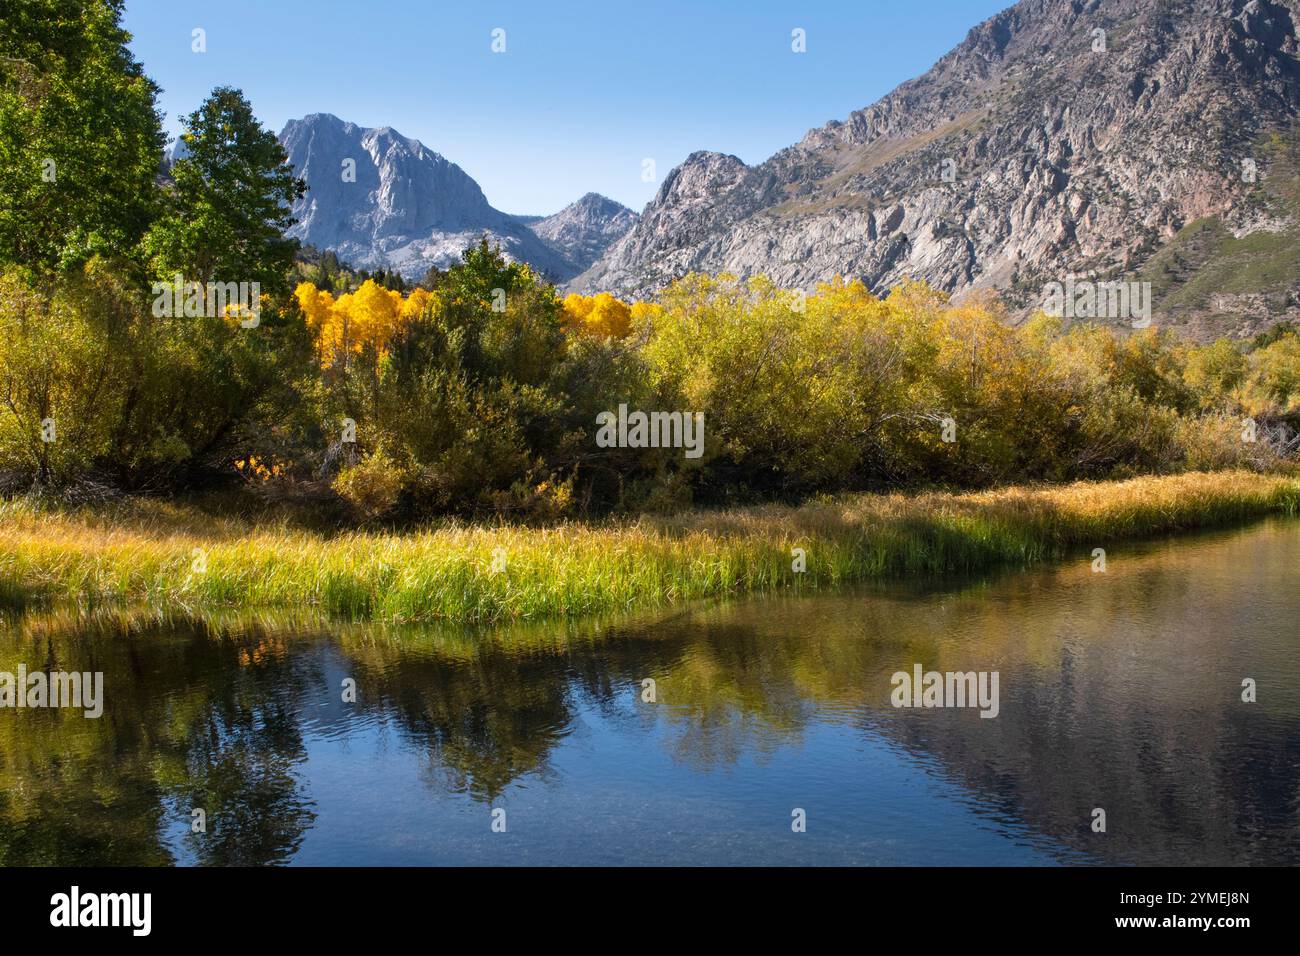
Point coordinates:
[(145, 553)]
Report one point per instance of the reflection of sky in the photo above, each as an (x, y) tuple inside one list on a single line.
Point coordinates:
[(613, 793)]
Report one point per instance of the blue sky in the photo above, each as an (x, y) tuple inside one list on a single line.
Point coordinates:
[(583, 92)]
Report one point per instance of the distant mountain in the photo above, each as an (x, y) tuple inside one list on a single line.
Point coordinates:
[(409, 208), (1113, 138), (585, 229)]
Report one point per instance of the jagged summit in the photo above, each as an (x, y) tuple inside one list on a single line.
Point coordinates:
[(585, 229), (377, 197)]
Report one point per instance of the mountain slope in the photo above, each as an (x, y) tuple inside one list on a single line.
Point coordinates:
[(407, 207), (1030, 151)]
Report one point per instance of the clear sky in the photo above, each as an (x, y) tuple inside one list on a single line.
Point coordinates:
[(583, 92)]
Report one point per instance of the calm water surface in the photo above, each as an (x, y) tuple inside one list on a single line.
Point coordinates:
[(1119, 690)]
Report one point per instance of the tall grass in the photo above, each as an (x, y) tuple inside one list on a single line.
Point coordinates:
[(145, 553)]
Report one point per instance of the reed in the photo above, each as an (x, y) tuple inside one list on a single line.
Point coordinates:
[(145, 553)]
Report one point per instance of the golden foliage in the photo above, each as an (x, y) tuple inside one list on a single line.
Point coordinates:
[(370, 317), (601, 315)]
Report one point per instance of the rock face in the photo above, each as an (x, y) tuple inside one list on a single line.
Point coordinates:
[(1062, 136), (583, 230), (409, 208)]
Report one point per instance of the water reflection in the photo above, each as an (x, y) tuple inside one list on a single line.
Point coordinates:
[(193, 719), (1119, 691)]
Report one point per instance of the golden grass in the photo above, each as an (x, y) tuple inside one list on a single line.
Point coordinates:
[(144, 553)]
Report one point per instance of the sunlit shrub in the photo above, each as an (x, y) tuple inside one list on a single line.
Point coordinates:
[(373, 485)]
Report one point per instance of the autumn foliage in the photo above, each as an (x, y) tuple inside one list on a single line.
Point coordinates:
[(483, 392), (600, 314), (370, 317)]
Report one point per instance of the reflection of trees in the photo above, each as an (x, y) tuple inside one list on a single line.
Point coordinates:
[(240, 771), (486, 723), (66, 798), (192, 718), (723, 689), (493, 715)]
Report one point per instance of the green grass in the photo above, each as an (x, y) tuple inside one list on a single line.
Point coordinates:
[(143, 553)]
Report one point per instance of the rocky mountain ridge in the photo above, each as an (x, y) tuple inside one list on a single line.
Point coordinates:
[(1061, 137)]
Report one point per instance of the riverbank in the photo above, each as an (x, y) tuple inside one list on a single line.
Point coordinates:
[(169, 556)]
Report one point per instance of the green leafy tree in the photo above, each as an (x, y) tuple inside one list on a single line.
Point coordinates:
[(226, 213), (80, 136)]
